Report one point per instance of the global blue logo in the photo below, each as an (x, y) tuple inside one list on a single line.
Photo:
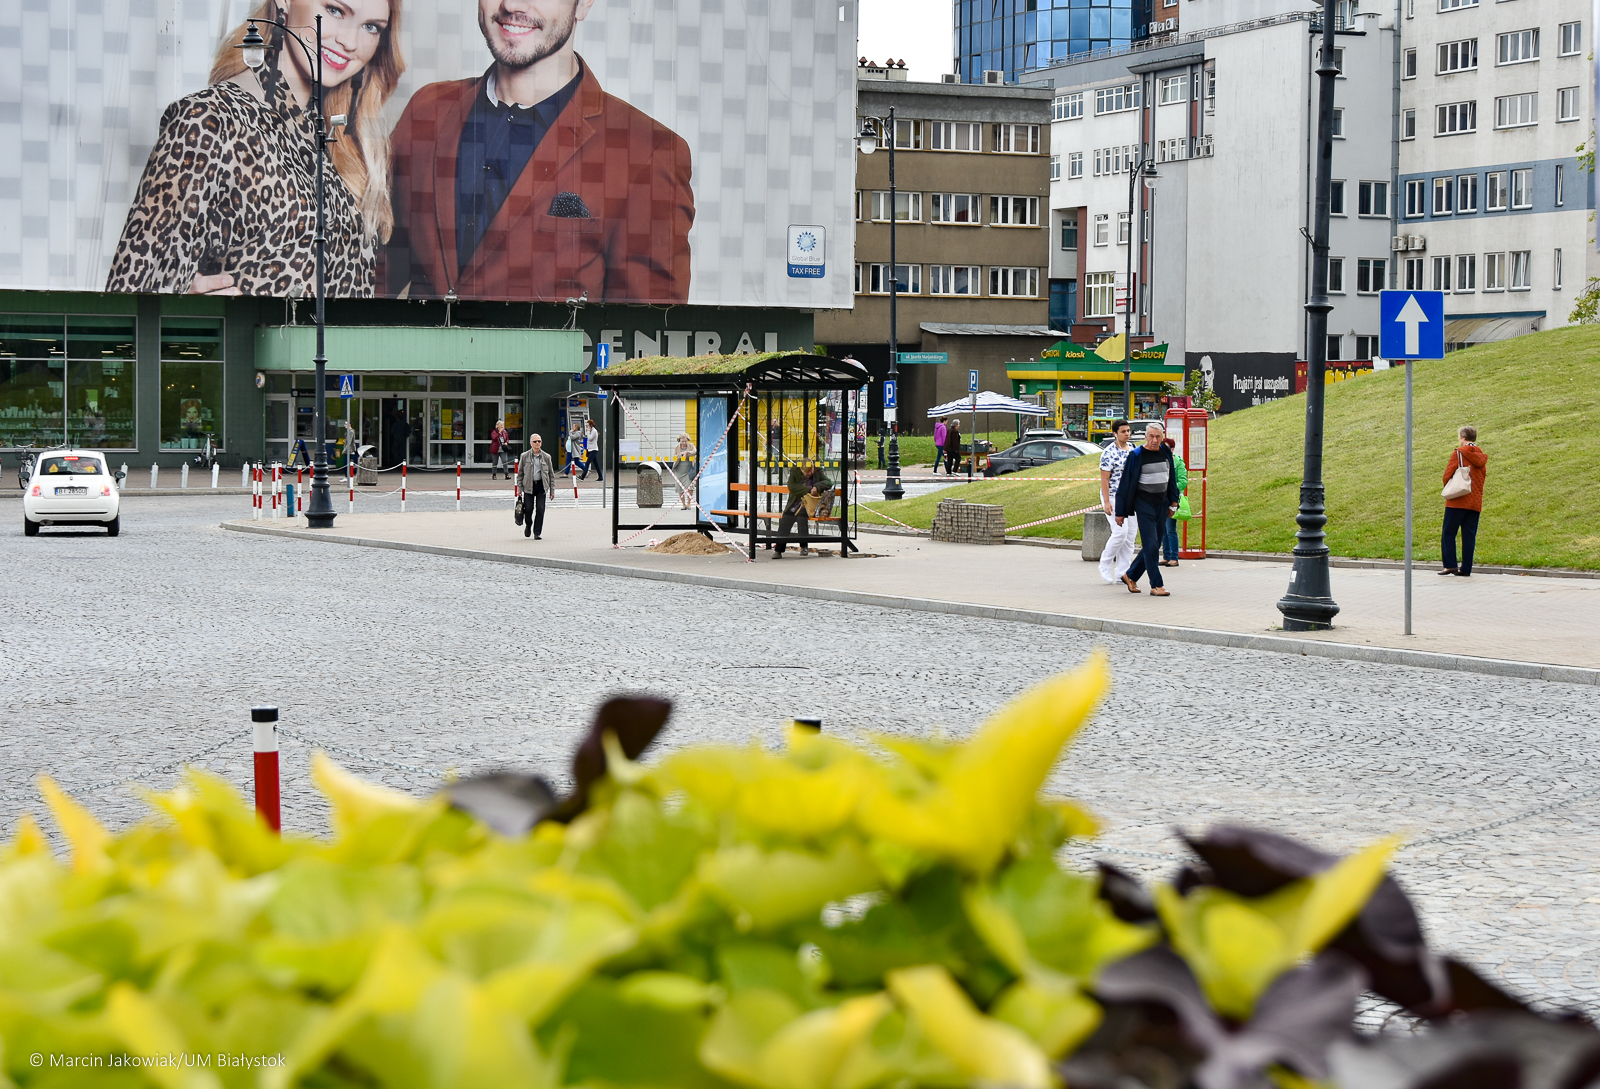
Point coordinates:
[(807, 248), (806, 242)]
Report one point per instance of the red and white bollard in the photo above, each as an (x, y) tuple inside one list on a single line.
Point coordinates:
[(299, 490), (458, 485), (402, 487), (265, 720), (255, 493), (277, 487), (350, 474), (574, 466)]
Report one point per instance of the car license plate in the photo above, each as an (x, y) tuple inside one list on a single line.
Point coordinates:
[(72, 491)]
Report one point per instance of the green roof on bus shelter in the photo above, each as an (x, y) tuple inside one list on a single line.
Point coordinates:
[(358, 348)]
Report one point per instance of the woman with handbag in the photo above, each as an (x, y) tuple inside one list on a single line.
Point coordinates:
[(1169, 542), (1464, 474)]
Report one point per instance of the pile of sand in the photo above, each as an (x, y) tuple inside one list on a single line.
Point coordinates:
[(689, 544)]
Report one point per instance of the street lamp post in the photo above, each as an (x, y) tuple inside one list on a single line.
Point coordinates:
[(1146, 170), (1309, 604), (872, 129), (319, 511)]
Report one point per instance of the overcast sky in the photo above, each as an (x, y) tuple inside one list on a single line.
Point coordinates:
[(916, 31)]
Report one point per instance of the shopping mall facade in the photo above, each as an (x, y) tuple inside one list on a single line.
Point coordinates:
[(146, 378)]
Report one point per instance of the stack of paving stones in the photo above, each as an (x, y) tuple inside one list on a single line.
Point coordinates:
[(960, 522)]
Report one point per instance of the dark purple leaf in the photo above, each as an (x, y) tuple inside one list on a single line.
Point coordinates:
[(1488, 1049), (1297, 1018), (635, 720), (1125, 895), (509, 802)]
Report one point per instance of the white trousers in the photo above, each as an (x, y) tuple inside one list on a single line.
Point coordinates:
[(1118, 554)]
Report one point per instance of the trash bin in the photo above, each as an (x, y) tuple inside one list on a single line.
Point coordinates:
[(648, 487), (367, 471), (1096, 532)]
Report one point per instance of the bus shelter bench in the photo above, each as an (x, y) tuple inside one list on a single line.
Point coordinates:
[(773, 489)]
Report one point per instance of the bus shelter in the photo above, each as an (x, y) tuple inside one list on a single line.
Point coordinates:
[(759, 419)]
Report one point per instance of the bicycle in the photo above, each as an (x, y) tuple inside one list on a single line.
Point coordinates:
[(208, 455), (25, 467)]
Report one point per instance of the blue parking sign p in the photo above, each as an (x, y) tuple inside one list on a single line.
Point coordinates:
[(889, 393), (972, 381), (1411, 325)]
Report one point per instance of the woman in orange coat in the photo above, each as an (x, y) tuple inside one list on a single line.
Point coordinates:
[(1462, 514)]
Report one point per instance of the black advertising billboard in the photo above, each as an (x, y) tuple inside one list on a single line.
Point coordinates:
[(637, 151)]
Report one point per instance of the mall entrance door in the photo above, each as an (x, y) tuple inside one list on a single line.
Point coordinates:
[(386, 424), (485, 411)]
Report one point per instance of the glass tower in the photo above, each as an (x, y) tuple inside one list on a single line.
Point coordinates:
[(1015, 36)]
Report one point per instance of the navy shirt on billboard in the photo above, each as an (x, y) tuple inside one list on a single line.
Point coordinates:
[(497, 140)]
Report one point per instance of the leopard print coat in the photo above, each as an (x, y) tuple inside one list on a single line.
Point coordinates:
[(231, 186)]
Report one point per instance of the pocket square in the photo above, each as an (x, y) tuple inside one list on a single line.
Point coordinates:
[(569, 206)]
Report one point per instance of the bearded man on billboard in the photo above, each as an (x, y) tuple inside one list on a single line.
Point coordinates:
[(531, 183)]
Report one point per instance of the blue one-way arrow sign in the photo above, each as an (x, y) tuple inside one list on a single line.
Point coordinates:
[(1412, 325)]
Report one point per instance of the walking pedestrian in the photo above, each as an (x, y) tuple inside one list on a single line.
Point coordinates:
[(808, 482), (1118, 552), (1148, 494), (952, 447), (940, 429), (592, 454), (882, 430), (499, 453), (537, 477), (1462, 512), (1169, 543)]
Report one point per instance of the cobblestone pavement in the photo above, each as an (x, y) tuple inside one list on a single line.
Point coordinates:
[(124, 657)]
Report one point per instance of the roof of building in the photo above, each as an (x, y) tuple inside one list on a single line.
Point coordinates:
[(974, 329)]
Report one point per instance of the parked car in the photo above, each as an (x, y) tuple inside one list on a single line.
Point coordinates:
[(1025, 455), (1138, 432), (71, 487)]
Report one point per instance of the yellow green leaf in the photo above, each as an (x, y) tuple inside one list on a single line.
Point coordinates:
[(770, 888), (981, 1047), (740, 1031), (1053, 1014), (808, 1052), (1339, 893), (85, 835), (147, 1031), (668, 990), (26, 840)]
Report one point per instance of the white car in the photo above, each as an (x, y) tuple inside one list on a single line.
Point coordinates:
[(70, 487)]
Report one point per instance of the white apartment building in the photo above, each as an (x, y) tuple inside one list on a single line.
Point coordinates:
[(1221, 266), (1494, 100)]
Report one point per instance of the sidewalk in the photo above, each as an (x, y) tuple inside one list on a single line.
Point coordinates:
[(1490, 618)]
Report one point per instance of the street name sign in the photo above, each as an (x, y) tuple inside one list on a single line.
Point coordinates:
[(1411, 325), (924, 357)]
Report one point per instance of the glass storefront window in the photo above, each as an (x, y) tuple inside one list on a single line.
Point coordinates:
[(394, 383), (449, 383), (67, 380), (447, 428), (486, 386), (191, 382), (514, 386)]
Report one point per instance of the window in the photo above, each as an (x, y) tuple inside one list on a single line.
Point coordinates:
[(1335, 346), (1014, 211), (1466, 272), (1338, 59), (1366, 347), (1408, 64), (1113, 160), (1173, 150), (1494, 272), (908, 135), (1211, 85), (1413, 274), (908, 279), (1336, 275), (1102, 230), (1336, 199), (1467, 193), (1521, 270), (1522, 188), (1122, 228), (1055, 168), (1338, 124), (1416, 198), (191, 381), (70, 378), (955, 280), (1441, 273), (955, 208), (1170, 89), (1067, 107), (1021, 283), (1444, 190), (1459, 56), (1017, 139), (1567, 104), (956, 136), (1454, 117), (1494, 191), (1118, 99), (1517, 47), (1561, 185), (1556, 281), (858, 205), (1372, 199), (1408, 124), (907, 207), (1370, 275), (1074, 165), (1100, 294), (1452, 5), (1069, 230), (1515, 111), (1571, 39)]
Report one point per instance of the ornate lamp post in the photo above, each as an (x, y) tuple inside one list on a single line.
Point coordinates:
[(1309, 604), (319, 512), (1146, 170), (872, 132)]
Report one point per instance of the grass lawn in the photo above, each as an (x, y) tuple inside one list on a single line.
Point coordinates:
[(1533, 399)]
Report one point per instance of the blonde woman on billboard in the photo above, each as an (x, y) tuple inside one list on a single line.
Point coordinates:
[(227, 203)]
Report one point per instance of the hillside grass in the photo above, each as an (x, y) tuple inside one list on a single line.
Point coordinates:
[(1535, 401)]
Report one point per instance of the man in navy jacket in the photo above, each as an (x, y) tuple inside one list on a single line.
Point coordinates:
[(1148, 492)]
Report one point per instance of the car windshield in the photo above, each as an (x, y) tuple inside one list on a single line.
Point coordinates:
[(71, 463)]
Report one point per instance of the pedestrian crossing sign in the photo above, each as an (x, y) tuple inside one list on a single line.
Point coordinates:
[(347, 385)]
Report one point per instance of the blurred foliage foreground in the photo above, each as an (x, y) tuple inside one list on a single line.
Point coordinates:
[(827, 917)]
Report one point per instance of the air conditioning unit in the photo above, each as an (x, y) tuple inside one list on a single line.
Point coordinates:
[(1399, 243), (1418, 242), (949, 77), (1205, 147), (994, 78)]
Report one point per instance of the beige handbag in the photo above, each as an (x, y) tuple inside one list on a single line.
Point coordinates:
[(1461, 483)]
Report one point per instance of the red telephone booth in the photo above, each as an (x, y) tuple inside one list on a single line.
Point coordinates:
[(1187, 428)]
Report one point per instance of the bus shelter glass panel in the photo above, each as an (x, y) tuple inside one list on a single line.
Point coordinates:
[(447, 430)]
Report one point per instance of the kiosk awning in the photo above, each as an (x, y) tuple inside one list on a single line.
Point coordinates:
[(988, 402)]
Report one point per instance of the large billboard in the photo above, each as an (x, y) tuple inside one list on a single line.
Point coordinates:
[(634, 151)]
